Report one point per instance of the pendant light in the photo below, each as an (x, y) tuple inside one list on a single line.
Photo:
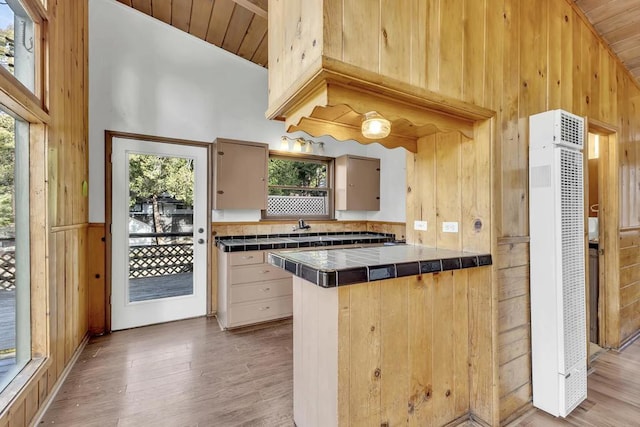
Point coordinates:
[(374, 126)]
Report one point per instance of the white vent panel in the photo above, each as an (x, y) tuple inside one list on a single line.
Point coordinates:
[(557, 248), (573, 274), (575, 389), (571, 130)]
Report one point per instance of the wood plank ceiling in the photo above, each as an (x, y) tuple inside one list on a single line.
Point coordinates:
[(237, 26), (240, 26), (618, 23)]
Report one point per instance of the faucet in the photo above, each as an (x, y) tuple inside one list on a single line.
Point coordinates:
[(301, 225)]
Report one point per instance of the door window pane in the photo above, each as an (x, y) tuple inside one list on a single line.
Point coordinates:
[(17, 42), (160, 227), (15, 312)]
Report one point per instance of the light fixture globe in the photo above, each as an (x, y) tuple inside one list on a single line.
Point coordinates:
[(374, 126)]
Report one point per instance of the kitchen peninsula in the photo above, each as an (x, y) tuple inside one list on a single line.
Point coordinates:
[(381, 333)]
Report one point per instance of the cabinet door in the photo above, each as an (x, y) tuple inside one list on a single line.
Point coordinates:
[(357, 183), (241, 175)]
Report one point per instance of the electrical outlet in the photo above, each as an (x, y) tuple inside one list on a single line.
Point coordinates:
[(449, 227), (420, 225)]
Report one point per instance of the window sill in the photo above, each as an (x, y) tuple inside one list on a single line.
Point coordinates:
[(19, 383)]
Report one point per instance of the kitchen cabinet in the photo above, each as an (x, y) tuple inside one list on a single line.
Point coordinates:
[(357, 183), (251, 291), (240, 180)]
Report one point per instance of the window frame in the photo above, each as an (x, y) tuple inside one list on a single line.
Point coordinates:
[(30, 107), (329, 161)]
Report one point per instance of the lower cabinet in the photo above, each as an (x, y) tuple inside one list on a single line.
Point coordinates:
[(251, 291)]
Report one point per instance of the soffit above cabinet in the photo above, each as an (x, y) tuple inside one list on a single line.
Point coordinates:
[(240, 26)]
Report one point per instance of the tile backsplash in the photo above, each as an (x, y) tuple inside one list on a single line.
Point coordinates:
[(279, 227)]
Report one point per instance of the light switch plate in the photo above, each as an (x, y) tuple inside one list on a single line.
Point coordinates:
[(449, 227), (420, 225)]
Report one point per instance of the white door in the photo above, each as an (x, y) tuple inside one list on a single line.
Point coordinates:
[(159, 232)]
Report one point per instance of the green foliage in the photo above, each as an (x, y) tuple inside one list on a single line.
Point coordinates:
[(7, 165), (293, 173), (151, 176), (7, 48)]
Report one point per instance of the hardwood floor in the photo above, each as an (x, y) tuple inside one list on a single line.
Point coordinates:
[(189, 373), (186, 373), (613, 395)]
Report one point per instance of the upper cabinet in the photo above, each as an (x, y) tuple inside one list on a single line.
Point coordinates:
[(357, 183), (240, 174)]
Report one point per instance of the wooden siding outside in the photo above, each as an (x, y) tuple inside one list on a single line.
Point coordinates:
[(66, 97)]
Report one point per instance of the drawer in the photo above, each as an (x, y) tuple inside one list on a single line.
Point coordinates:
[(246, 258), (259, 311), (259, 291), (256, 273)]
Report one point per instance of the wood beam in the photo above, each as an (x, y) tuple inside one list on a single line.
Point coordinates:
[(259, 7)]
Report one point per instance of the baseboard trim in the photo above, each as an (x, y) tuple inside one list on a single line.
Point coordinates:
[(59, 382), (627, 342)]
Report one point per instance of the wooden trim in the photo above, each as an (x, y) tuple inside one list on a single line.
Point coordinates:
[(17, 98), (110, 134), (625, 229), (30, 374), (60, 228), (36, 10), (39, 239)]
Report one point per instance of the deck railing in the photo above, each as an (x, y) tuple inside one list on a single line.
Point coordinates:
[(171, 253), (7, 269)]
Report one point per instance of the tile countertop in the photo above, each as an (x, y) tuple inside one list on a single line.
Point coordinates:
[(299, 240), (336, 267)]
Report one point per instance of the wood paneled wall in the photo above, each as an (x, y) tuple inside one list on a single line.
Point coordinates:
[(629, 283), (515, 58), (66, 101)]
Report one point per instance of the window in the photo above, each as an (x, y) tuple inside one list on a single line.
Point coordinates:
[(299, 187), (17, 42), (15, 304)]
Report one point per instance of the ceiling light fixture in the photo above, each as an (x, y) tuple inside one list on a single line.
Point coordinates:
[(374, 126)]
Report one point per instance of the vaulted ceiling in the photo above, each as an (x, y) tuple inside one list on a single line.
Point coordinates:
[(240, 26)]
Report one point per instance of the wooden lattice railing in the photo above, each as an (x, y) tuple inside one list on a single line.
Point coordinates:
[(7, 269), (160, 259)]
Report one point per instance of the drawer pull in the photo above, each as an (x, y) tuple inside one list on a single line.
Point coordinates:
[(265, 271), (266, 289), (248, 257), (264, 308)]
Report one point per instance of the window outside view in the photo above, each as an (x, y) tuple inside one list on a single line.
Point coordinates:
[(298, 187), (17, 42), (15, 339)]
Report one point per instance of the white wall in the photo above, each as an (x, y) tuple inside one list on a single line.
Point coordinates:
[(149, 78)]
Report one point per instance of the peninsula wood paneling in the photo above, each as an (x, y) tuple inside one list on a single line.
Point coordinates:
[(65, 99), (418, 336)]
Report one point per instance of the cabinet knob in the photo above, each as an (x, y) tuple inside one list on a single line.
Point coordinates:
[(220, 192), (221, 153), (378, 198), (266, 289), (265, 271), (264, 308)]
